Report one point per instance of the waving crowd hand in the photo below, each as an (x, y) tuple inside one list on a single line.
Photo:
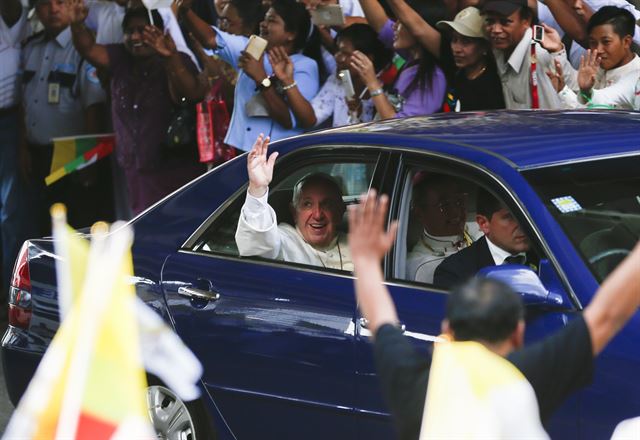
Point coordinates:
[(589, 65)]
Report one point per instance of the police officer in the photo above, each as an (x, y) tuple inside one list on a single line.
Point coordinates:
[(62, 97)]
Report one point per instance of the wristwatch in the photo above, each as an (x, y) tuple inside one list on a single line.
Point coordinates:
[(264, 84)]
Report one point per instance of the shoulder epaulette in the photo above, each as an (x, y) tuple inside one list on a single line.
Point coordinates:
[(30, 38)]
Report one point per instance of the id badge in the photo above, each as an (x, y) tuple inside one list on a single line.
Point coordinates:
[(54, 93)]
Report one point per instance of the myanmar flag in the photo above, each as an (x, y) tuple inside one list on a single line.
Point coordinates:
[(74, 153)]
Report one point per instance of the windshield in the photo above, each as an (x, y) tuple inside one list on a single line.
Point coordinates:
[(597, 204)]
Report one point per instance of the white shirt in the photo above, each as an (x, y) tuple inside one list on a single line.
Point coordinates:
[(10, 39), (428, 253), (105, 17), (330, 100), (627, 75), (259, 234), (546, 17), (515, 74), (499, 255)]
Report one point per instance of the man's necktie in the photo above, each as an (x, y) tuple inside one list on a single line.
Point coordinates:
[(516, 259)]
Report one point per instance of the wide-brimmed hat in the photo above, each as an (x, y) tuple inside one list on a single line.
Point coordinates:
[(467, 22), (503, 7)]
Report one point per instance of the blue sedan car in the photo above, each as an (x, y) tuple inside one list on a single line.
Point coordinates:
[(284, 350)]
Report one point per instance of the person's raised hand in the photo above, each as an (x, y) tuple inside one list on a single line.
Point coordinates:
[(281, 64), (368, 239), (589, 65), (259, 167), (252, 67), (162, 43), (77, 10), (557, 76), (363, 65), (552, 40)]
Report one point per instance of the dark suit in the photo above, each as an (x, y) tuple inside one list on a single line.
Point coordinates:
[(459, 267)]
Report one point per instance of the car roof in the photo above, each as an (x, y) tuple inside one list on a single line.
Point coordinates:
[(526, 139)]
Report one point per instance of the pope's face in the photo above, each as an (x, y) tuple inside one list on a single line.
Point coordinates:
[(318, 213)]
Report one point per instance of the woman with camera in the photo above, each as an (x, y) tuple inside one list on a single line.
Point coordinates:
[(341, 96), (260, 106)]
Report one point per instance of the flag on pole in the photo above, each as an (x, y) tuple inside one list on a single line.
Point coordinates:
[(91, 383), (475, 394), (75, 153)]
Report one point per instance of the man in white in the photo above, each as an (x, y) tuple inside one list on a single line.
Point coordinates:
[(440, 204), (608, 67), (508, 27), (317, 209)]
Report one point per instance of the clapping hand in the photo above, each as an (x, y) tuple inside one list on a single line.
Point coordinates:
[(78, 11), (368, 240), (557, 77), (260, 168), (589, 65), (281, 64), (163, 44)]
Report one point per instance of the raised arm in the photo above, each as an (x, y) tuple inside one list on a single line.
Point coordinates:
[(200, 29), (283, 69), (374, 13), (615, 302), (83, 39), (429, 37), (573, 24), (259, 167), (363, 65), (369, 242), (182, 81)]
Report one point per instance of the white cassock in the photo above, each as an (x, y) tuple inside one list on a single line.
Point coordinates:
[(430, 250), (259, 234)]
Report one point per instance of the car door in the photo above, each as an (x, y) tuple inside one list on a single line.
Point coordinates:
[(421, 306), (275, 338)]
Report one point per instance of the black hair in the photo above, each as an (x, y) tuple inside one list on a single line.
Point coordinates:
[(142, 12), (365, 39), (484, 309), (526, 13), (298, 21), (250, 12), (432, 12), (487, 204), (428, 181), (620, 19)]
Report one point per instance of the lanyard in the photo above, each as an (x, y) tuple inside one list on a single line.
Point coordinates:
[(535, 101)]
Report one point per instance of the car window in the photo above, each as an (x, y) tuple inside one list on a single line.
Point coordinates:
[(438, 205), (437, 220), (597, 204), (351, 176)]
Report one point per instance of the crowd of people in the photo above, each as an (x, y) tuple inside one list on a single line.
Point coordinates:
[(70, 68)]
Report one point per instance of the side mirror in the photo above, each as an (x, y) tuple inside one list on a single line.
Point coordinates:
[(539, 291)]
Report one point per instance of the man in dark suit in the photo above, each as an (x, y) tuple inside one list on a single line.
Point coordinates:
[(504, 242)]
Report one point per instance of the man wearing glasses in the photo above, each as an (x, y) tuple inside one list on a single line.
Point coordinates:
[(439, 203), (504, 242)]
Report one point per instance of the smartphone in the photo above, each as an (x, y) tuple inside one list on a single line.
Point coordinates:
[(347, 84), (538, 34), (327, 15), (256, 46)]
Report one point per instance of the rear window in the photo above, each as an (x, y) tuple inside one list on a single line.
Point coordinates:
[(597, 203)]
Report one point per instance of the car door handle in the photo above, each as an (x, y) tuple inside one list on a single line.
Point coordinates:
[(364, 322), (192, 292)]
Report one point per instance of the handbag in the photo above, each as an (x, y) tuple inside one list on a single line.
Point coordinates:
[(212, 125), (181, 134)]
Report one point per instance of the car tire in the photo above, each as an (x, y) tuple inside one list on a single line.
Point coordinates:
[(173, 418)]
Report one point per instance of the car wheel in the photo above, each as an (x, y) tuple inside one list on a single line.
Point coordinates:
[(172, 418)]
